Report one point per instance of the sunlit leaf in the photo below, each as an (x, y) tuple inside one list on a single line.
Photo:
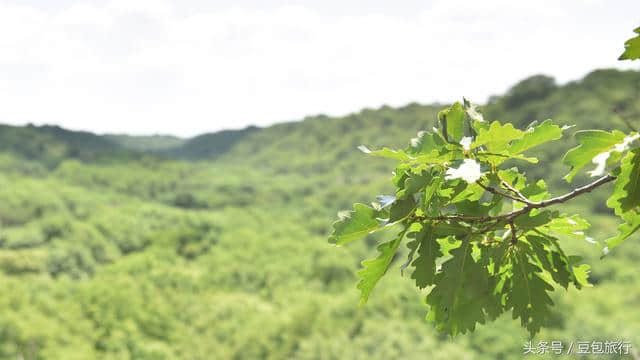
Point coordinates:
[(592, 143), (497, 137), (386, 153), (355, 224), (632, 48), (452, 122), (630, 226), (535, 136)]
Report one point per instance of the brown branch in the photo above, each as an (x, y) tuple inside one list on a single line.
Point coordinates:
[(526, 209), (577, 192)]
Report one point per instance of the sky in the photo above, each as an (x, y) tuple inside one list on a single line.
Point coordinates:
[(186, 67)]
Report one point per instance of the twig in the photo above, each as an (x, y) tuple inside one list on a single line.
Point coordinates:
[(494, 191), (508, 186)]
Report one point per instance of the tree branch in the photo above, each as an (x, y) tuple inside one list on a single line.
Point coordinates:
[(577, 192), (529, 205)]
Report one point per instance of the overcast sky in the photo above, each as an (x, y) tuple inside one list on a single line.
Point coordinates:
[(185, 67)]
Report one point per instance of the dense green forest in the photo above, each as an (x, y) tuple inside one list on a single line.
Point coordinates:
[(122, 247)]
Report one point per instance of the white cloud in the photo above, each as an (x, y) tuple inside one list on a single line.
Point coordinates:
[(177, 67)]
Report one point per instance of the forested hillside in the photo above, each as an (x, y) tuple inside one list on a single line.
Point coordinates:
[(115, 247)]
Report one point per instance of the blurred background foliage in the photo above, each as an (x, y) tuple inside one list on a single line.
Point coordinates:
[(124, 247)]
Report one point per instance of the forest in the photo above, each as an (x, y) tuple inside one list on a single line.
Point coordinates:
[(215, 247)]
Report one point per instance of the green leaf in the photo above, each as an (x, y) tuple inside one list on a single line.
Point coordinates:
[(569, 226), (513, 177), (494, 257), (534, 136), (581, 275), (467, 191), (553, 262), (386, 153), (499, 157), (527, 292), (426, 143), (452, 122), (528, 221), (355, 224), (428, 251), (592, 143), (536, 192), (374, 269), (625, 230), (632, 48), (626, 193), (401, 208), (443, 229), (431, 190), (497, 137), (461, 293), (415, 183)]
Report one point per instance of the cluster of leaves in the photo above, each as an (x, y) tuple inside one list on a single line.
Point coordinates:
[(480, 236)]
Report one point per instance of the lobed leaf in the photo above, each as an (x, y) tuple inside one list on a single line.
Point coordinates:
[(535, 136), (592, 144), (355, 224), (581, 275), (497, 137), (630, 226), (428, 250), (386, 153), (452, 122), (415, 183), (401, 208), (527, 293), (374, 269), (626, 193), (461, 293), (426, 143)]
